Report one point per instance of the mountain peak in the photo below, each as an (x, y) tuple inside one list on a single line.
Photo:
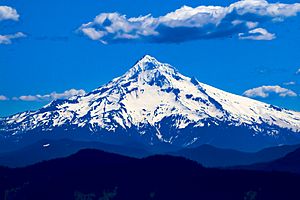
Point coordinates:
[(149, 63), (147, 57)]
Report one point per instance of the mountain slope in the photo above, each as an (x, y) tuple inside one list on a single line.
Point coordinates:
[(92, 174), (289, 163), (153, 103), (210, 156)]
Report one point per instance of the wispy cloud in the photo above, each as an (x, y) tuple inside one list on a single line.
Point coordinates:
[(265, 91), (298, 71), (7, 39), (8, 13), (52, 96), (257, 34), (242, 19), (290, 83), (3, 98)]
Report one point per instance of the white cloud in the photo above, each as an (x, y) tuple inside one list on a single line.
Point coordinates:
[(187, 23), (257, 34), (290, 83), (7, 39), (298, 71), (93, 34), (52, 96), (8, 13), (3, 98), (265, 91)]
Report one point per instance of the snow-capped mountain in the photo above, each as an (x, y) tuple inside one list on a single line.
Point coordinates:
[(153, 103)]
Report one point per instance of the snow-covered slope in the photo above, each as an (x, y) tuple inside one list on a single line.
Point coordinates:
[(154, 97)]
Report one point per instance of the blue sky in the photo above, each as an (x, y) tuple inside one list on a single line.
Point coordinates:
[(56, 56)]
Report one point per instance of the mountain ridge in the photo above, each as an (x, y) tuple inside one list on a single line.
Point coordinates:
[(206, 155), (289, 163), (93, 174)]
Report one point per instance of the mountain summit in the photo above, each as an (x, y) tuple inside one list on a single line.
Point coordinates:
[(153, 104)]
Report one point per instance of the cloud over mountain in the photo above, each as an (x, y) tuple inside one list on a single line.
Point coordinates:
[(51, 96), (242, 19), (265, 91)]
